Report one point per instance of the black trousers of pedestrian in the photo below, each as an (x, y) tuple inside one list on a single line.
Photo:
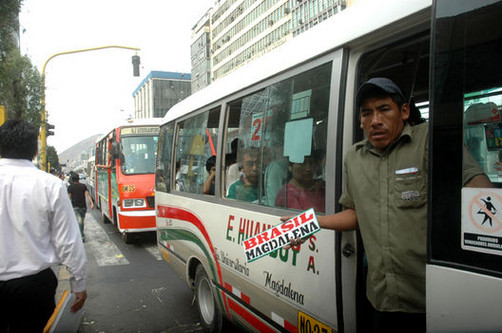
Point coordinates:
[(27, 303)]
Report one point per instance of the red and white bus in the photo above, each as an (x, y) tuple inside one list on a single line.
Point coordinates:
[(125, 166)]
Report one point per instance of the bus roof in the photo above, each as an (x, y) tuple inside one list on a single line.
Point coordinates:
[(345, 27)]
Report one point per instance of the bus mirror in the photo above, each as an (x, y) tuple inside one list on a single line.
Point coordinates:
[(115, 150)]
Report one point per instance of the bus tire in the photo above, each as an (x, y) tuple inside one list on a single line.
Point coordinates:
[(209, 312), (104, 218), (127, 237)]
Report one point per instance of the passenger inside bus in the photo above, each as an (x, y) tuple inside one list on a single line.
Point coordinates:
[(233, 168), (208, 187), (246, 187), (303, 191)]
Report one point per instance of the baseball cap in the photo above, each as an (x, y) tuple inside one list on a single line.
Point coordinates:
[(381, 83)]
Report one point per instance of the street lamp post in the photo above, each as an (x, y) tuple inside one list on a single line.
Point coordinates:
[(43, 134)]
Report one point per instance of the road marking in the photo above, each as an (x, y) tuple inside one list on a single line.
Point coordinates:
[(154, 251), (103, 249)]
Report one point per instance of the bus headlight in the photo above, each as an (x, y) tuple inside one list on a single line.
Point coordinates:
[(133, 203)]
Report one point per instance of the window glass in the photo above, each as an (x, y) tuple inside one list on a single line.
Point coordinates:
[(279, 134), (196, 153), (467, 134), (138, 154), (163, 169), (483, 129)]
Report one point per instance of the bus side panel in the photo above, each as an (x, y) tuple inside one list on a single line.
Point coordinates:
[(104, 192), (476, 298), (276, 286)]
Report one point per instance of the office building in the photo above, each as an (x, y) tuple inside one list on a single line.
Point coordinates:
[(158, 92), (238, 31)]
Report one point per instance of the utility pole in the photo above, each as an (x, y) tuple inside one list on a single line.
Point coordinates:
[(43, 129)]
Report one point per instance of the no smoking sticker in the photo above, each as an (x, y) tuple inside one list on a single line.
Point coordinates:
[(482, 220)]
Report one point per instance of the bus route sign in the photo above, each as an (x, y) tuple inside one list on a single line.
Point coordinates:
[(300, 226)]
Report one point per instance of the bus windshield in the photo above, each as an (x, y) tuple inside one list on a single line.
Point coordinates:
[(138, 154)]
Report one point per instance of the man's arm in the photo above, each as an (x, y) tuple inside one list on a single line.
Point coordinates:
[(67, 241), (345, 220), (480, 181), (90, 199)]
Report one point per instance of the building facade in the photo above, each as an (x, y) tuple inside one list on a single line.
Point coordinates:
[(308, 13), (239, 31), (200, 53), (158, 92)]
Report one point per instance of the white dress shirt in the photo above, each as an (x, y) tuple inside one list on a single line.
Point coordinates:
[(37, 224)]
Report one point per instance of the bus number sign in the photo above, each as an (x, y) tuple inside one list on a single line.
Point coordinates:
[(307, 324), (128, 188), (256, 126)]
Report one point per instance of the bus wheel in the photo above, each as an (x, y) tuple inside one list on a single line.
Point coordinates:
[(127, 237), (104, 218), (209, 312)]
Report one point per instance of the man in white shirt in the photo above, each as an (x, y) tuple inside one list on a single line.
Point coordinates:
[(37, 229)]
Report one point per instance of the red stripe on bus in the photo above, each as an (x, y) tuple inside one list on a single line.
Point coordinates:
[(246, 298), (210, 142), (255, 322), (290, 327), (185, 215)]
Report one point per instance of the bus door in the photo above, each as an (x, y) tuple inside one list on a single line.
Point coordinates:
[(385, 59), (464, 268), (104, 177)]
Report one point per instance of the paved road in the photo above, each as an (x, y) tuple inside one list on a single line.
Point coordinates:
[(130, 288)]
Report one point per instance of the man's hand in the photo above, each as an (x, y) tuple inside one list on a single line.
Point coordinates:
[(293, 242), (79, 302)]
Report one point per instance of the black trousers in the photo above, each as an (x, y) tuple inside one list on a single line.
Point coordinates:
[(27, 303), (398, 322)]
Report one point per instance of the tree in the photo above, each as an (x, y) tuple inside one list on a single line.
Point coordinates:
[(9, 24), (20, 82), (52, 158)]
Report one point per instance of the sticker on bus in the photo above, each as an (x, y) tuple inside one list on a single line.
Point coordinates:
[(481, 225), (307, 324), (300, 226)]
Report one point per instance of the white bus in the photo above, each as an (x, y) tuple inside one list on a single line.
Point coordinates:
[(296, 104)]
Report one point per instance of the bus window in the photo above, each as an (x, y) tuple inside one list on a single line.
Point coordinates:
[(483, 130), (138, 154), (197, 142), (163, 172), (282, 138)]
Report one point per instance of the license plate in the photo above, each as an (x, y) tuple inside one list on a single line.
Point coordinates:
[(307, 324)]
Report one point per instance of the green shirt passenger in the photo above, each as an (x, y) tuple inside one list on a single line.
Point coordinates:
[(246, 188)]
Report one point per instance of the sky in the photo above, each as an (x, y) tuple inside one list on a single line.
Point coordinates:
[(88, 93)]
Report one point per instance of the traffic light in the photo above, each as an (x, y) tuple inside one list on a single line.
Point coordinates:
[(135, 65), (48, 128)]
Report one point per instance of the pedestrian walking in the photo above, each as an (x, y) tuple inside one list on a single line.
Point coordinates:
[(77, 193), (38, 229)]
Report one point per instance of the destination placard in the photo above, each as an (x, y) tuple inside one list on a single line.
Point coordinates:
[(143, 130), (300, 226)]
